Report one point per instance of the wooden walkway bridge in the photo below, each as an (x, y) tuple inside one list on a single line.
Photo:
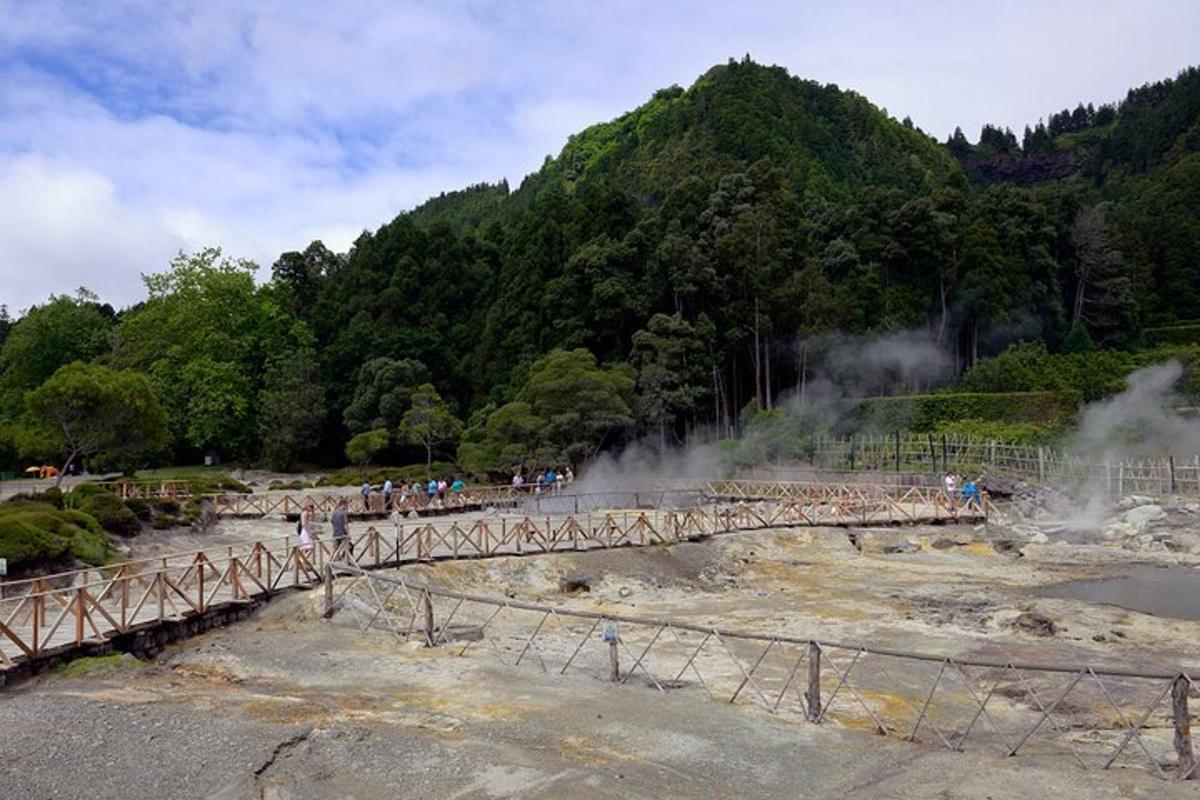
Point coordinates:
[(83, 611)]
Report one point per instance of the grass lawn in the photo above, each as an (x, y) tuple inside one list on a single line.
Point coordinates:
[(179, 473)]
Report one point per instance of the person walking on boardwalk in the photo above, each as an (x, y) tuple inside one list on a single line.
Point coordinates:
[(340, 522), (970, 493), (365, 491), (456, 489), (304, 527), (387, 493)]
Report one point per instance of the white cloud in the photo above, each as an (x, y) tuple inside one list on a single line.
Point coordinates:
[(67, 228), (130, 129)]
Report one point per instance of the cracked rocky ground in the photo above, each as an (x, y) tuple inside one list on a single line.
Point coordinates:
[(289, 705)]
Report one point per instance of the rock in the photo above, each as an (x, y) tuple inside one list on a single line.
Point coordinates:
[(1141, 516), (907, 546), (1134, 501), (575, 583), (943, 543), (1034, 623), (625, 591)]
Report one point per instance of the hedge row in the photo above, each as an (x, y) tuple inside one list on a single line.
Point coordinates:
[(1172, 334), (922, 413)]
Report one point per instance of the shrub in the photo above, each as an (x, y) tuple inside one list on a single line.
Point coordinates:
[(1181, 334), (35, 531), (161, 521), (921, 413), (167, 507), (139, 507), (112, 514), (1006, 432)]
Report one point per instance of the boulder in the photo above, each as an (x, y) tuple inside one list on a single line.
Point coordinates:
[(1033, 623), (1141, 516)]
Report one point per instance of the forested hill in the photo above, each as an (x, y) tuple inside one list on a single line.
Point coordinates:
[(686, 258)]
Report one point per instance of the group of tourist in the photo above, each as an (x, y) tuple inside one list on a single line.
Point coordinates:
[(436, 493), (960, 489), (548, 480)]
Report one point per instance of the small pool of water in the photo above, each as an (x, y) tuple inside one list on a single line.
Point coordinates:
[(1171, 592)]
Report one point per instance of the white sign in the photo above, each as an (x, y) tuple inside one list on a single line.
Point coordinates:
[(3, 567)]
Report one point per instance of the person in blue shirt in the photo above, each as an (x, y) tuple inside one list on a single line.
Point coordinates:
[(456, 489), (970, 492)]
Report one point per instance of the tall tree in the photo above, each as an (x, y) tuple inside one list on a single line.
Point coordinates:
[(84, 410), (429, 422), (291, 408), (49, 336)]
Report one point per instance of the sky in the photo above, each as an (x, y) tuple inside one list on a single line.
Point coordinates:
[(130, 131)]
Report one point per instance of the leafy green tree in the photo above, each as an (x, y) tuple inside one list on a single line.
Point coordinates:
[(49, 336), (383, 392), (674, 372), (503, 438), (206, 335), (429, 421), (363, 448), (581, 403), (1104, 295), (83, 410), (291, 409)]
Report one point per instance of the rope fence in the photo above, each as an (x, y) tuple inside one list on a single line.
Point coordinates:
[(1098, 715)]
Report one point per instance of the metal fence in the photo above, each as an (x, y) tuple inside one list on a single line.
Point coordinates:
[(1098, 715)]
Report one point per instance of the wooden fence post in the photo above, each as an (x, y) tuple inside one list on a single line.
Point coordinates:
[(1183, 726), (1171, 473), (328, 590), (614, 660), (897, 451), (1041, 464), (428, 619), (812, 697)]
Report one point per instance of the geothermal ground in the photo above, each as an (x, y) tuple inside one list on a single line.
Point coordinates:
[(290, 705)]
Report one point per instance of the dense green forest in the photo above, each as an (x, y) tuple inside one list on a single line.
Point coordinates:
[(675, 270)]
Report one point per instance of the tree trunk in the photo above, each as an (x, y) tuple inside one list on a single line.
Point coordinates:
[(429, 458), (62, 473), (757, 361), (767, 380), (803, 371)]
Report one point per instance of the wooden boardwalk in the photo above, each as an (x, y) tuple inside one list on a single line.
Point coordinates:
[(58, 614)]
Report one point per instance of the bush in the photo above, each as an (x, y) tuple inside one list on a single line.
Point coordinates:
[(168, 507), (217, 483), (922, 413), (1004, 432), (1182, 334), (112, 514), (161, 521), (32, 531), (1086, 376), (139, 507)]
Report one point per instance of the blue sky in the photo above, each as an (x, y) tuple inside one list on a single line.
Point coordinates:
[(131, 130)]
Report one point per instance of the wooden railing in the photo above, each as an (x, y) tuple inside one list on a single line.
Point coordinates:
[(55, 613)]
